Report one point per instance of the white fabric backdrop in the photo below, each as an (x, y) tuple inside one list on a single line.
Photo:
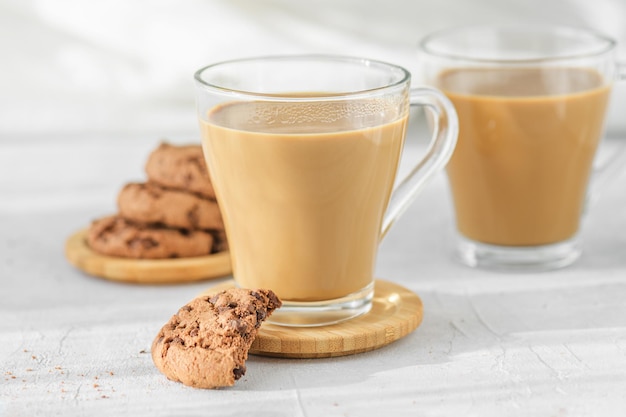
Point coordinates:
[(119, 66)]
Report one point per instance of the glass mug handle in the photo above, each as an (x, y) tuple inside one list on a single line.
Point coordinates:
[(602, 175), (445, 131)]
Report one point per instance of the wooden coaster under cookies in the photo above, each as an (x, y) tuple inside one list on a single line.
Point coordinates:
[(396, 312), (145, 271)]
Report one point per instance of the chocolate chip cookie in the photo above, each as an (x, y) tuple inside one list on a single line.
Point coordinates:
[(206, 344), (116, 236), (148, 203), (180, 167)]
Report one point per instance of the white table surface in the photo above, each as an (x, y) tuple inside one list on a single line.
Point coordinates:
[(491, 344)]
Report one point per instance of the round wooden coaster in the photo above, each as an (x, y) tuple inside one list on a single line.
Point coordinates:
[(396, 312), (144, 271)]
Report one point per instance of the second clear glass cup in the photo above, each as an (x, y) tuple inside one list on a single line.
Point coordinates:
[(531, 102)]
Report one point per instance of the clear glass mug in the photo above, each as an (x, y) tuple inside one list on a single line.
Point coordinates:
[(531, 102), (303, 153)]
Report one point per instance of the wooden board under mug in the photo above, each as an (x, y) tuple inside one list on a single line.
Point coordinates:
[(396, 312)]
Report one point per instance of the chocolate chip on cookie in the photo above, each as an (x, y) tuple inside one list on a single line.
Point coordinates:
[(116, 236), (220, 242), (148, 203), (206, 344), (180, 167)]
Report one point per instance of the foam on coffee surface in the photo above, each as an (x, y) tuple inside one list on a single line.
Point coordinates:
[(306, 117)]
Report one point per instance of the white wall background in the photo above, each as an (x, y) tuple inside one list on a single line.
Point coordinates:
[(74, 67)]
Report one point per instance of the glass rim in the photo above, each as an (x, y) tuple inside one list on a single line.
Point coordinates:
[(605, 43), (361, 62)]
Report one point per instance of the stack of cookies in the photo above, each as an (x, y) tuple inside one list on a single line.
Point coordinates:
[(172, 215)]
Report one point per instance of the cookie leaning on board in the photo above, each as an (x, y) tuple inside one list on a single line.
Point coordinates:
[(206, 343), (172, 215)]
